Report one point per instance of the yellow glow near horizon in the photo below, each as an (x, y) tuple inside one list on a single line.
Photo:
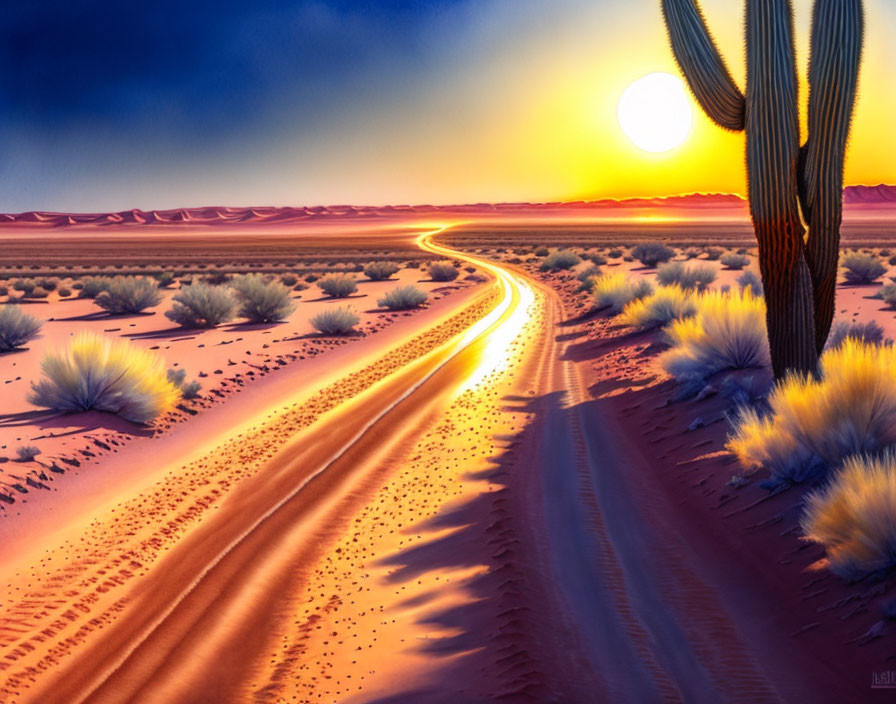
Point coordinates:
[(654, 112)]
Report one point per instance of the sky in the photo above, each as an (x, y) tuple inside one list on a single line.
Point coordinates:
[(110, 105)]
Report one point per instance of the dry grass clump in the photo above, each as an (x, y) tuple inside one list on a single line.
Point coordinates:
[(403, 298), (813, 424), (128, 294), (16, 327), (188, 389), (92, 286), (752, 281), (442, 271), (262, 301), (666, 304), (380, 271), (862, 268), (727, 332), (338, 286), (870, 332), (696, 276), (855, 516), (560, 260), (652, 253), (616, 291), (734, 260), (339, 321), (105, 374), (201, 305)]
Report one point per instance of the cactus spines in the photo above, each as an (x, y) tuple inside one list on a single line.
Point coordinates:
[(790, 187)]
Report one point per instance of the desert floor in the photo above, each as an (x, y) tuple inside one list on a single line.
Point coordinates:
[(493, 498)]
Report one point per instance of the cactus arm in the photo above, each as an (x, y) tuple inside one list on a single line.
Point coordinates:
[(773, 147), (702, 65), (836, 51)]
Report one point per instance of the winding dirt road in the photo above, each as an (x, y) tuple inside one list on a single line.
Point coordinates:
[(451, 525)]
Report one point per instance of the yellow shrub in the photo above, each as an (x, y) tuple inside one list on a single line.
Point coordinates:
[(105, 374), (616, 291), (667, 303), (855, 518), (815, 423)]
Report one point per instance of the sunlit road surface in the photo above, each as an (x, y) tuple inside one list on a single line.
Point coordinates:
[(196, 618)]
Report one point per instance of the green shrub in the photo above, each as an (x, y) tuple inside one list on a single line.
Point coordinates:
[(338, 286), (402, 298), (339, 321), (128, 295), (16, 327), (201, 305), (442, 271), (92, 286), (380, 271), (560, 260), (262, 301)]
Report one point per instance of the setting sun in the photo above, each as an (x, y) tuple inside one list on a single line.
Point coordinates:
[(655, 114)]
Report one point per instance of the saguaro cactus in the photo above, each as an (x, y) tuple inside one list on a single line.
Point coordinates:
[(792, 188)]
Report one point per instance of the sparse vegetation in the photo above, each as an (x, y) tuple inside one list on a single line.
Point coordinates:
[(560, 260), (813, 424), (165, 279), (652, 254), (442, 271), (750, 280), (105, 374), (403, 298), (869, 332), (92, 286), (201, 305), (26, 453), (16, 327), (339, 321), (713, 253), (542, 252), (262, 301), (587, 274), (380, 271), (188, 389), (338, 286), (862, 269), (128, 295), (854, 518), (727, 332), (616, 291), (735, 261), (665, 304), (694, 276)]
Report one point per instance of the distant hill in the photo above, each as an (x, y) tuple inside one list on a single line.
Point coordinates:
[(855, 197)]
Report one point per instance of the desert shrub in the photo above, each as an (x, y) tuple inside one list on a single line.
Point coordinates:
[(750, 280), (38, 292), (735, 261), (588, 273), (338, 285), (262, 301), (813, 424), (201, 305), (48, 284), (884, 252), (165, 279), (4, 291), (402, 298), (664, 305), (855, 516), (697, 276), (887, 292), (869, 332), (311, 278), (442, 271), (188, 389), (16, 327), (892, 261), (615, 254), (26, 453), (412, 265), (691, 253), (598, 259), (26, 286), (616, 291), (542, 252), (727, 332), (92, 286), (64, 292), (560, 260), (129, 294), (652, 253), (380, 271), (104, 374), (217, 278), (339, 321), (862, 269), (713, 253), (289, 280)]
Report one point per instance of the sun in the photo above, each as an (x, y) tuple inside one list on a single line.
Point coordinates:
[(655, 112)]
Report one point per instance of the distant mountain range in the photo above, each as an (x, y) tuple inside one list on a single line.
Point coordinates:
[(872, 197)]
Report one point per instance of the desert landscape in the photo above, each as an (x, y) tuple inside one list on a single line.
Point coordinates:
[(447, 352)]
